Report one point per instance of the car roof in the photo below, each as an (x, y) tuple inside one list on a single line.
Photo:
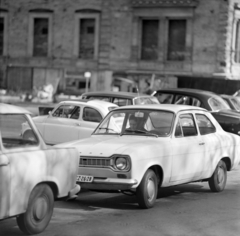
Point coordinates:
[(12, 109), (169, 107), (91, 102), (188, 91), (115, 94)]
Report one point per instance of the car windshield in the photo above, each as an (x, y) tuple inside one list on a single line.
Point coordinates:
[(218, 103), (145, 100), (146, 122)]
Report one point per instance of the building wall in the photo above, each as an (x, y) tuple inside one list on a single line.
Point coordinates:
[(209, 38)]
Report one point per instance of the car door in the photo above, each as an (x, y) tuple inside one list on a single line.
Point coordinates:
[(188, 151), (212, 142), (90, 117), (63, 125), (4, 185)]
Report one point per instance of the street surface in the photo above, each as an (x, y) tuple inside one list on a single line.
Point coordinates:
[(187, 210)]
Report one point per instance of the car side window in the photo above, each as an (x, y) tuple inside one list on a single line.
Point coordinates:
[(64, 111), (187, 126), (16, 131), (92, 115), (75, 113), (122, 101), (204, 124), (187, 100), (166, 98)]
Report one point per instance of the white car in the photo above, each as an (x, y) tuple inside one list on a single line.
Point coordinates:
[(169, 145), (32, 175), (70, 120)]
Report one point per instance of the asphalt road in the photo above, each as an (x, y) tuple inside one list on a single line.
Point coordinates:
[(187, 210)]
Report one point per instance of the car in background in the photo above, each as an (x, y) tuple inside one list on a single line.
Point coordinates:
[(70, 120), (227, 118), (32, 175), (121, 98), (169, 145), (232, 101)]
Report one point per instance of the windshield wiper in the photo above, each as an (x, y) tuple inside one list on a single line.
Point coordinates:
[(107, 129), (139, 131)]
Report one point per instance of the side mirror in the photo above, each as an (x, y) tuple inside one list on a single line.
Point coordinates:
[(50, 113)]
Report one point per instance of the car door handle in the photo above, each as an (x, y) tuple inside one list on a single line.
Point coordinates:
[(201, 143), (78, 124)]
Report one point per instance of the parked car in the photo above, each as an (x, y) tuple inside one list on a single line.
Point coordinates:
[(32, 175), (70, 120), (232, 101), (121, 98), (227, 118), (171, 145)]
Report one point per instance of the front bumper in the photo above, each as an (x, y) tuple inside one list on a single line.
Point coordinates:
[(109, 184), (73, 192)]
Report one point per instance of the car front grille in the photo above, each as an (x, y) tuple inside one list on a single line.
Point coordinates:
[(95, 162)]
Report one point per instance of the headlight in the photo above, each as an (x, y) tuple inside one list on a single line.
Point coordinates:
[(121, 163)]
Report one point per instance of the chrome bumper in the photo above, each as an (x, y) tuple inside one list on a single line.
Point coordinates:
[(109, 184)]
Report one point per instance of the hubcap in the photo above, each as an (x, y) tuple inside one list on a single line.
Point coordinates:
[(40, 209), (150, 189), (220, 176)]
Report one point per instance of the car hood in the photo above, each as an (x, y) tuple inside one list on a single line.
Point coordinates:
[(39, 119), (106, 145)]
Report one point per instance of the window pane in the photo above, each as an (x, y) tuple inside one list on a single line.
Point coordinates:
[(188, 125), (176, 40), (16, 131), (237, 47), (149, 49), (92, 115), (86, 38), (204, 124), (40, 38), (1, 35)]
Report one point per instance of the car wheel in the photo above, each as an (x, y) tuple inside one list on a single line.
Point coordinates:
[(39, 210), (147, 190), (29, 135), (218, 180)]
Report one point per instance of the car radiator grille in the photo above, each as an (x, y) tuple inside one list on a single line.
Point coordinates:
[(95, 162)]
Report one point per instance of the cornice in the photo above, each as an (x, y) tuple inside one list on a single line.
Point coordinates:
[(164, 3)]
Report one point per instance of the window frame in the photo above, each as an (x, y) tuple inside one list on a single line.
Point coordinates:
[(163, 15), (4, 15), (76, 46), (199, 128), (32, 17), (236, 38)]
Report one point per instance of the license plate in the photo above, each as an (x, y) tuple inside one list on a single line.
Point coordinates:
[(84, 178)]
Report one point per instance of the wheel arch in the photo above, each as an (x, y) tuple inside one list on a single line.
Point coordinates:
[(227, 162), (159, 173)]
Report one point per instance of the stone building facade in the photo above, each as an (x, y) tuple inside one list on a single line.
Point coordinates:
[(125, 44)]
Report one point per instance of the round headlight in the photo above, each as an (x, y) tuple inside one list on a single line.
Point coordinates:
[(121, 163)]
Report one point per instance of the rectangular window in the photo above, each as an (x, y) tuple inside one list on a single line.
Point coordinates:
[(1, 35), (86, 38), (40, 34), (149, 47), (177, 40), (237, 43), (40, 37)]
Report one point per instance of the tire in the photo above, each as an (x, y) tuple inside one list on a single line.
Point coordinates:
[(29, 135), (147, 190), (218, 180), (39, 210)]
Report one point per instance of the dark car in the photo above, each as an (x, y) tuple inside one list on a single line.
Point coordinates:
[(233, 102), (227, 118), (121, 98)]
